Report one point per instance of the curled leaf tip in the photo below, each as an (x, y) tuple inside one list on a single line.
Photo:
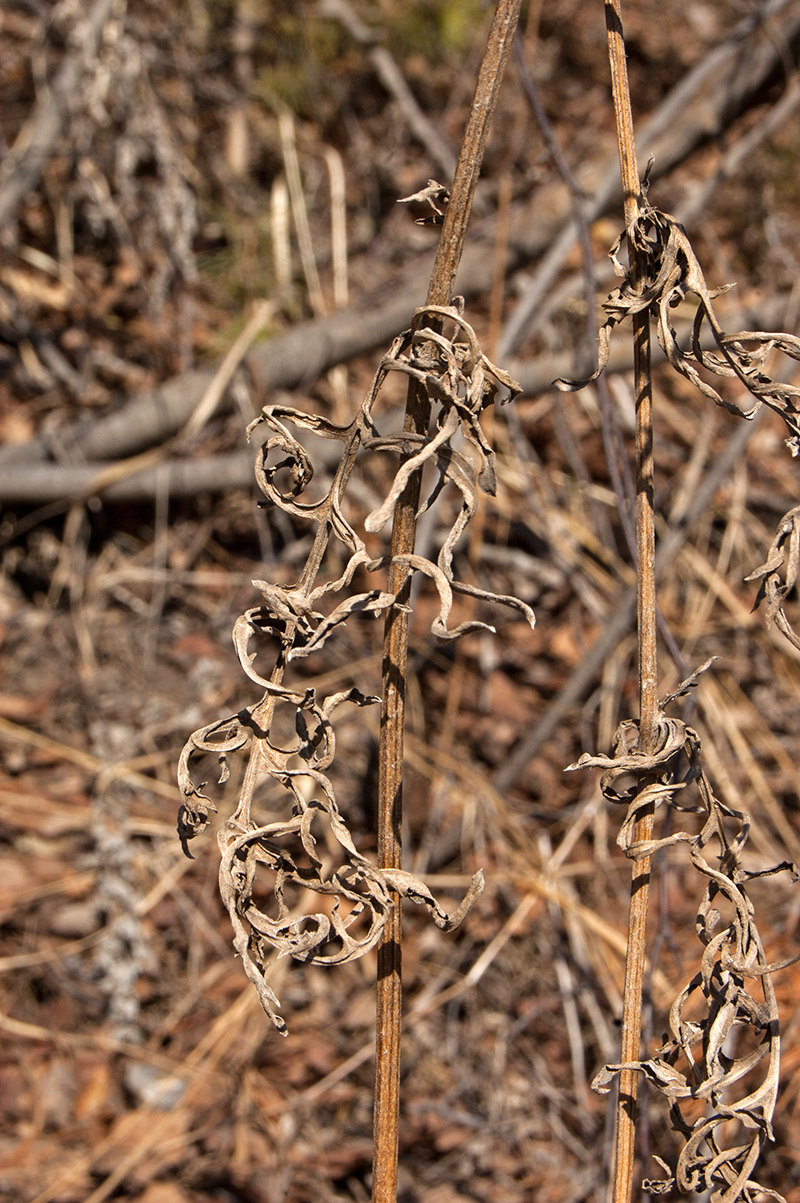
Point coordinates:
[(436, 196)]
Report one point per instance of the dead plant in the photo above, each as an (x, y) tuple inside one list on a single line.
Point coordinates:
[(450, 383), (461, 381), (663, 271)]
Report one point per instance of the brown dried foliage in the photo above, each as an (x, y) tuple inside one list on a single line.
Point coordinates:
[(667, 273), (733, 957), (460, 383), (673, 275)]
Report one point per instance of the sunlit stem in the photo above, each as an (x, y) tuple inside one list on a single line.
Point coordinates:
[(646, 611), (395, 648)]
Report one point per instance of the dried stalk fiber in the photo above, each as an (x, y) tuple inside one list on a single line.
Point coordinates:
[(630, 1034), (460, 383), (454, 212)]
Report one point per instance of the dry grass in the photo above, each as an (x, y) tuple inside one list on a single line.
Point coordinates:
[(137, 1063)]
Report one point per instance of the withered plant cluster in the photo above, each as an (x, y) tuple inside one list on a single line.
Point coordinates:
[(460, 383), (722, 1148), (451, 383), (703, 1058)]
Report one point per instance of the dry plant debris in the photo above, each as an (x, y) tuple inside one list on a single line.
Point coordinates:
[(662, 271), (115, 626), (733, 956), (460, 382), (671, 275), (772, 587)]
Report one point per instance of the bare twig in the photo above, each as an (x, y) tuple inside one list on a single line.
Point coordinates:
[(291, 162)]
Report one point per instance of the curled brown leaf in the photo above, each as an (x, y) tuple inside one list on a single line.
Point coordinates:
[(671, 273), (442, 354), (784, 553), (695, 1061)]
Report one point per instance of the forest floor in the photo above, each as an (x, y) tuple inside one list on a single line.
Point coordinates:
[(136, 1062)]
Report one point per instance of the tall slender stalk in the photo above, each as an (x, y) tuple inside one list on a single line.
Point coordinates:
[(395, 648), (646, 614), (663, 272)]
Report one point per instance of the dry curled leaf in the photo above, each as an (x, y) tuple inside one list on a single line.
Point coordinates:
[(297, 620), (695, 1062), (286, 849), (783, 553), (461, 382), (671, 273)]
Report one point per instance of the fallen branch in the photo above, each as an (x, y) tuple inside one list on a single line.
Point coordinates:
[(40, 483), (139, 478), (702, 105)]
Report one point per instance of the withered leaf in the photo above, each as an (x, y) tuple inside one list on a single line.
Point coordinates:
[(442, 354), (672, 273), (695, 1062)]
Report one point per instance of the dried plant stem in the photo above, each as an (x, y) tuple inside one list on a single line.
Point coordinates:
[(418, 412), (646, 614), (390, 803)]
